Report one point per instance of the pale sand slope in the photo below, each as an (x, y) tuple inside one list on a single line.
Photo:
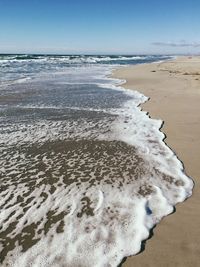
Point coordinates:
[(174, 91)]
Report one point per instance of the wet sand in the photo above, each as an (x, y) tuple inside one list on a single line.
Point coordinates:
[(174, 91)]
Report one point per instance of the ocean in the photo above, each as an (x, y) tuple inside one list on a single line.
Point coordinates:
[(85, 173)]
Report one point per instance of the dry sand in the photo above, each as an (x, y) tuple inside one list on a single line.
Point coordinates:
[(174, 91)]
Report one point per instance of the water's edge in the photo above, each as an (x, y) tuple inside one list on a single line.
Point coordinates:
[(121, 83)]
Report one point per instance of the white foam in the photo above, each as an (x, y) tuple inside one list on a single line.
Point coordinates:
[(121, 217)]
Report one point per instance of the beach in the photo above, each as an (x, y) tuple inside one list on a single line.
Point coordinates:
[(82, 165), (86, 174), (174, 91)]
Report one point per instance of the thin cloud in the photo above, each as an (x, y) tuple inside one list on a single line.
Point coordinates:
[(177, 44)]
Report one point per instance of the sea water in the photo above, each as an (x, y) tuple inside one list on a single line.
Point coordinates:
[(85, 173)]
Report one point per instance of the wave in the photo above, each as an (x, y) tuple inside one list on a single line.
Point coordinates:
[(77, 59)]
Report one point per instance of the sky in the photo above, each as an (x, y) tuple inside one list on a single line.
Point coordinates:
[(100, 26)]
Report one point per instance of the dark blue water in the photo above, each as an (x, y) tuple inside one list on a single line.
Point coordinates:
[(14, 67)]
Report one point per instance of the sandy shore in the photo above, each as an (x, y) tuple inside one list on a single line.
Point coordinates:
[(174, 91)]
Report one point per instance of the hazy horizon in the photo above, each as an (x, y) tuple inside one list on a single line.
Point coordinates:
[(98, 54)]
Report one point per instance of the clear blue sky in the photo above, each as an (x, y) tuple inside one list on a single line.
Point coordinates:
[(100, 26)]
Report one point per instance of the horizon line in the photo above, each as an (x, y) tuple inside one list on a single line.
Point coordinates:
[(97, 54)]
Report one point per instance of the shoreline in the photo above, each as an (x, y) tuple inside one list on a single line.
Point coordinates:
[(173, 89)]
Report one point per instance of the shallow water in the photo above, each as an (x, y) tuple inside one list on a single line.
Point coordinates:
[(84, 172)]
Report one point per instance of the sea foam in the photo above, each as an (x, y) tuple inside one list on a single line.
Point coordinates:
[(85, 192)]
